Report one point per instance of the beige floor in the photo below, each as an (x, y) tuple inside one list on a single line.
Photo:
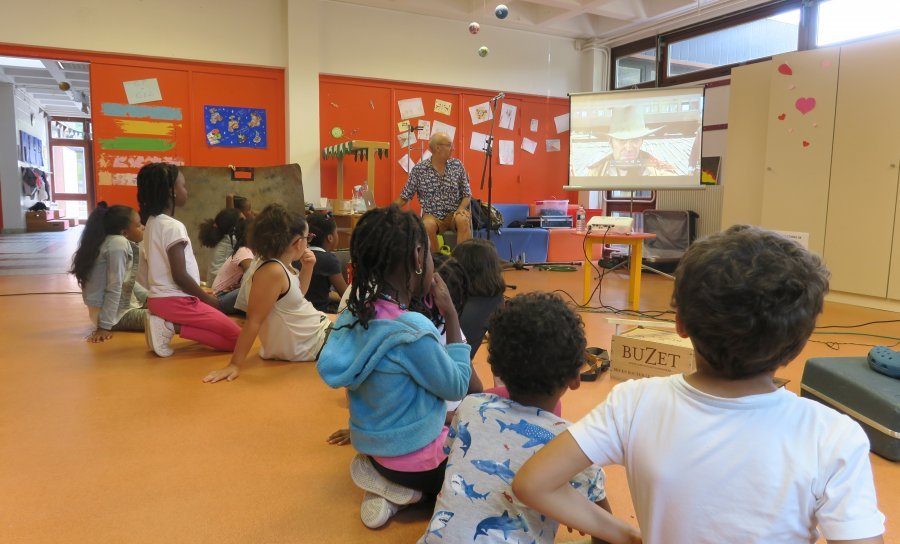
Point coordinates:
[(108, 443)]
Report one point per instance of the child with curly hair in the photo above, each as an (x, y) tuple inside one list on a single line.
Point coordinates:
[(492, 436), (288, 326), (723, 454)]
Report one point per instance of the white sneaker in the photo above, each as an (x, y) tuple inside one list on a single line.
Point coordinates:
[(375, 511), (159, 333), (365, 476)]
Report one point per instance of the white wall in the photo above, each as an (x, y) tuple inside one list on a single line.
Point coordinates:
[(383, 44), (232, 31), (10, 181)]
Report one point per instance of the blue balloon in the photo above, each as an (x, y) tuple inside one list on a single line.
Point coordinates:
[(501, 11)]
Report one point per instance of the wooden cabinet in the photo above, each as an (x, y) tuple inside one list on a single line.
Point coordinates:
[(345, 225), (802, 88), (862, 227)]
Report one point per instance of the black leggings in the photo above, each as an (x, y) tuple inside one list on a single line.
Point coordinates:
[(428, 482)]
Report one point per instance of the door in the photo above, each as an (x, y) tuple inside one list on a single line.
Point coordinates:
[(72, 183)]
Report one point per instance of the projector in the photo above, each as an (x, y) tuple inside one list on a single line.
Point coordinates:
[(610, 224)]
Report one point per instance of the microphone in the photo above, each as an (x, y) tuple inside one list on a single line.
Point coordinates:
[(498, 97)]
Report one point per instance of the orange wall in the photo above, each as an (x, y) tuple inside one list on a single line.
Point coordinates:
[(366, 109), (185, 85)]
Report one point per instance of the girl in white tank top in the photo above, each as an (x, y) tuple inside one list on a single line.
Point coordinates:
[(288, 326)]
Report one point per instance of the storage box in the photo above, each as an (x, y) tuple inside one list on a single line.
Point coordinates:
[(644, 353), (848, 385), (552, 207), (549, 221)]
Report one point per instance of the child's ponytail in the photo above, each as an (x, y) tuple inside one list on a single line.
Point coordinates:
[(104, 220)]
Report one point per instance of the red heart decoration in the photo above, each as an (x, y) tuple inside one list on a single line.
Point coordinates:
[(805, 105), (781, 117), (805, 143), (785, 69)]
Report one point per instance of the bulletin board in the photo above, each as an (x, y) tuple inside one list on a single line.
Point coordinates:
[(375, 109)]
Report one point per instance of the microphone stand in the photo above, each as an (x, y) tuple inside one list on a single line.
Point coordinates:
[(489, 164)]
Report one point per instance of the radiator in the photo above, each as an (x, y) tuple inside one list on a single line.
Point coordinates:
[(707, 202)]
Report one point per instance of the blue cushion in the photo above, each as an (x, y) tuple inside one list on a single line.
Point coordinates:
[(511, 243)]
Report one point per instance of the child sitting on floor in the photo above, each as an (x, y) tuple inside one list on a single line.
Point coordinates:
[(105, 266), (723, 454), (242, 203), (228, 281), (327, 274), (491, 436), (176, 301), (288, 326), (390, 358), (486, 287), (219, 234)]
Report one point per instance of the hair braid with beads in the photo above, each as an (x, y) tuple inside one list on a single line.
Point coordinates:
[(384, 241)]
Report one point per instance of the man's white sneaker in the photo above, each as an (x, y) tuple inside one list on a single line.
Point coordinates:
[(159, 333)]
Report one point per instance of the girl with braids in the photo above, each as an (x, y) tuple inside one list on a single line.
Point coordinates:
[(288, 326), (390, 358), (176, 301), (105, 267), (219, 233)]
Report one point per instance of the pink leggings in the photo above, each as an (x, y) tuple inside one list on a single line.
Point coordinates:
[(199, 321)]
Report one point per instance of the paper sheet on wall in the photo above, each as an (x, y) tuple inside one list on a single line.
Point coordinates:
[(406, 163), (553, 145), (424, 130), (478, 142), (403, 126), (481, 113), (142, 90), (449, 130), (426, 155), (507, 116), (442, 106), (411, 107), (562, 122), (534, 125), (406, 139), (529, 145), (507, 152)]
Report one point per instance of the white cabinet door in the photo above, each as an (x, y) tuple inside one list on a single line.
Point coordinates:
[(864, 169)]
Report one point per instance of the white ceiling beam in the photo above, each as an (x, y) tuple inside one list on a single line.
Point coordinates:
[(59, 75)]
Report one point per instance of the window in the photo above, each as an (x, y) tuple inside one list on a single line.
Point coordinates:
[(844, 20), (734, 45), (636, 68), (634, 64)]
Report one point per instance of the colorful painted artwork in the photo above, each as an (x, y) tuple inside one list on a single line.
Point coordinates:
[(709, 170), (235, 127)]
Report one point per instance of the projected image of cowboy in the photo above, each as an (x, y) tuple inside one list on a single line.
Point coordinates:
[(626, 136)]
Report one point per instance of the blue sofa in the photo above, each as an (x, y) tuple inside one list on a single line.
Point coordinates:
[(512, 242)]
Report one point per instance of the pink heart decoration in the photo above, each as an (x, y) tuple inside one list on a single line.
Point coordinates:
[(805, 143), (805, 105), (785, 69)]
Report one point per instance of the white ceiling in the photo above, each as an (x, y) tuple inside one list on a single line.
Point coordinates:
[(40, 80), (604, 20)]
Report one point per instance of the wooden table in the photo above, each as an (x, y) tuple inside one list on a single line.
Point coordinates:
[(636, 242)]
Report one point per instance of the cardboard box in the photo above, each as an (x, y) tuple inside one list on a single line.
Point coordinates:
[(644, 353)]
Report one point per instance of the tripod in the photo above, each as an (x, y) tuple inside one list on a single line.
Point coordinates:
[(487, 170)]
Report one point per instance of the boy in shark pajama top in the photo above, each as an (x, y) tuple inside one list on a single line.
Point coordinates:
[(491, 437)]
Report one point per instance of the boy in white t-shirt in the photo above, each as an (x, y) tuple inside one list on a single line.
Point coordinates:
[(723, 455)]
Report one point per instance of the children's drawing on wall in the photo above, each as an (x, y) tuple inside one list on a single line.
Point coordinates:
[(235, 127), (423, 130), (439, 126), (561, 122), (411, 107), (481, 113), (507, 116), (442, 106), (553, 146), (406, 139), (507, 152), (529, 145)]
